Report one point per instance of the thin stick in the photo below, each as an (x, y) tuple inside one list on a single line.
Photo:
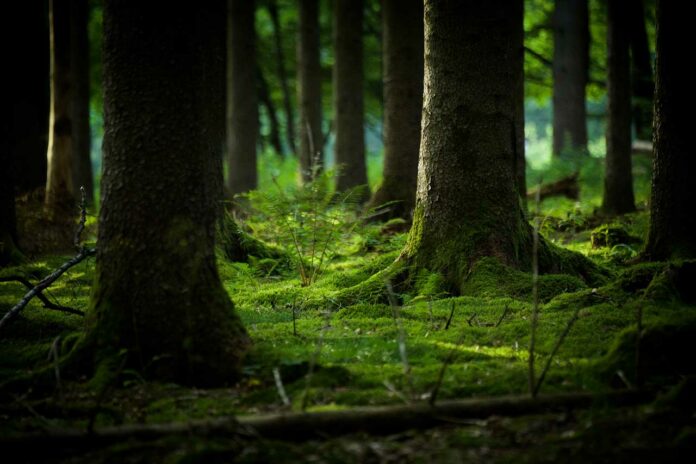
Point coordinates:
[(48, 304), (280, 387), (470, 321), (451, 315), (502, 316), (535, 296)]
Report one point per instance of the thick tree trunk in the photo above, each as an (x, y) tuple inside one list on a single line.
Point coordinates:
[(467, 204), (79, 63), (309, 88), (521, 159), (267, 102), (349, 146), (403, 99), (242, 106), (641, 77), (59, 184), (618, 178), (672, 220), (157, 293), (30, 95), (272, 6), (570, 75)]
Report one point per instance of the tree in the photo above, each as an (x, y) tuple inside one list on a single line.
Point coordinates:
[(157, 293), (59, 183), (618, 179), (8, 221), (641, 73), (266, 101), (349, 146), (570, 75), (242, 109), (79, 68), (672, 221), (309, 87), (403, 98)]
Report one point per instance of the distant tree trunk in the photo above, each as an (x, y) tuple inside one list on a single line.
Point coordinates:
[(30, 95), (618, 178), (672, 219), (309, 87), (59, 184), (403, 98), (79, 55), (272, 6), (641, 78), (570, 75), (242, 109), (157, 294), (349, 146), (468, 199), (267, 102)]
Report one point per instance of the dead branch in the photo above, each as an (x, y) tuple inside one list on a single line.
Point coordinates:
[(48, 304)]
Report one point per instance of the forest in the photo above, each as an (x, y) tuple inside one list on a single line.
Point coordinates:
[(347, 231)]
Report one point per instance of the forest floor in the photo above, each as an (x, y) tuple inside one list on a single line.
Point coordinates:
[(329, 355)]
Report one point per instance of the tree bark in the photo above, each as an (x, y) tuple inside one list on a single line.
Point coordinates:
[(403, 100), (618, 177), (570, 75), (642, 83), (467, 203), (309, 88), (672, 221), (267, 102), (521, 159), (349, 146), (59, 197), (157, 293), (272, 6), (242, 106), (79, 56), (30, 95)]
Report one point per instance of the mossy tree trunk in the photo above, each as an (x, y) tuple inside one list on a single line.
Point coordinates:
[(618, 177), (157, 293), (309, 88), (672, 219), (570, 75), (642, 83), (467, 203), (242, 106), (59, 178), (79, 68), (402, 52), (29, 98), (349, 146)]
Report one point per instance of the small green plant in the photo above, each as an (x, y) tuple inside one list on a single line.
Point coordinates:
[(308, 221)]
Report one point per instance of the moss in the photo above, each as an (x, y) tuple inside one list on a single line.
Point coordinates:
[(609, 235), (675, 281)]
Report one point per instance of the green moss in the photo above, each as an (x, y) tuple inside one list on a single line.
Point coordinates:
[(609, 235)]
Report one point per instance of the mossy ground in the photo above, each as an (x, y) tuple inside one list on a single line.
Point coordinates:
[(353, 350)]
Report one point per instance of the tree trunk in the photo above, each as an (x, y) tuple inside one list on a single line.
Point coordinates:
[(403, 99), (30, 95), (59, 184), (641, 79), (79, 56), (267, 102), (618, 178), (672, 220), (570, 75), (8, 220), (349, 146), (272, 6), (242, 106), (467, 204), (157, 293), (309, 88), (521, 159)]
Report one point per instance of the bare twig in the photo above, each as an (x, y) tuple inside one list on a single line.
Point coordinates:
[(451, 315), (48, 304), (470, 321), (280, 387), (502, 316)]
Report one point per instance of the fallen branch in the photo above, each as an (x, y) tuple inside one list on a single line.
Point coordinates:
[(379, 420), (567, 187), (48, 304)]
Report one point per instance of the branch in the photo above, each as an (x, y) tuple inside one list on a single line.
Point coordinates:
[(48, 304), (541, 58)]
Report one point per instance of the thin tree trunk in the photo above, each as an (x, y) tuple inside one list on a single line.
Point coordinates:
[(672, 220), (59, 184), (272, 6), (242, 106), (618, 178), (349, 146), (403, 98), (309, 88), (79, 55), (267, 102), (641, 77), (157, 295), (570, 75)]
